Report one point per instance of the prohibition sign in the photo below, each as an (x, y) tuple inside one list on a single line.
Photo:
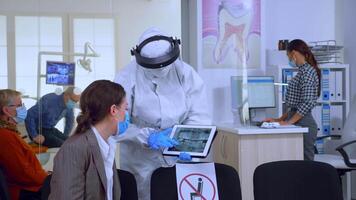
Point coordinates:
[(185, 180)]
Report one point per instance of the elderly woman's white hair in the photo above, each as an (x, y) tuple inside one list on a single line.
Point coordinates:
[(6, 98)]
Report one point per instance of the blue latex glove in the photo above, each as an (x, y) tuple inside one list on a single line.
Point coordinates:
[(161, 139), (124, 125), (185, 156)]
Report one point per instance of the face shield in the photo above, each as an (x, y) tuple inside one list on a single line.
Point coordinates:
[(156, 52)]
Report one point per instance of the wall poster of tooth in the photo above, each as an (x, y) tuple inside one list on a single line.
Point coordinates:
[(231, 31)]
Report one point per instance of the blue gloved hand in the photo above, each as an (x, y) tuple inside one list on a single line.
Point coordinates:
[(161, 139), (124, 125), (185, 156)]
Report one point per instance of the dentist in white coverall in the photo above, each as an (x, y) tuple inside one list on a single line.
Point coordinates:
[(157, 99)]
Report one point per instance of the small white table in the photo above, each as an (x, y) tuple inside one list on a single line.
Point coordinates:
[(245, 148)]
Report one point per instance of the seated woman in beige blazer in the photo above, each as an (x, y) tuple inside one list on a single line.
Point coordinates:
[(84, 167)]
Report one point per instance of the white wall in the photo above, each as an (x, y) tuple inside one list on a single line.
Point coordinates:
[(349, 28), (137, 15), (134, 16), (310, 20), (62, 6)]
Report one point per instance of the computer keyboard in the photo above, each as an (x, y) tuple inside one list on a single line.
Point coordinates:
[(256, 123), (270, 125)]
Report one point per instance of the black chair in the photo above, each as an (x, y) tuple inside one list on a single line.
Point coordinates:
[(127, 182), (128, 185), (4, 193), (340, 150), (296, 180), (164, 183)]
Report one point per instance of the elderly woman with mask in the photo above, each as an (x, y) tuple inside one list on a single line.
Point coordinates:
[(23, 172)]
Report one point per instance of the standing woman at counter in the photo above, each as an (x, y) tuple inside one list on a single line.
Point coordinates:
[(302, 93)]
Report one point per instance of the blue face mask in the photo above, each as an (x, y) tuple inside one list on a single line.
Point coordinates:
[(70, 104), (292, 63), (21, 113), (124, 125)]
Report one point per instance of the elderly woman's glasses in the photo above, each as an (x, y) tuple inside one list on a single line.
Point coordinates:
[(17, 106)]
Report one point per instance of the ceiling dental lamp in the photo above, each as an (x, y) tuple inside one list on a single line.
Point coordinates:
[(85, 61)]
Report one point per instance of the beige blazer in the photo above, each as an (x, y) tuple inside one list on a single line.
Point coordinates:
[(79, 172)]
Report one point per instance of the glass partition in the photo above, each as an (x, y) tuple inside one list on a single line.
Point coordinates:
[(3, 53), (230, 46)]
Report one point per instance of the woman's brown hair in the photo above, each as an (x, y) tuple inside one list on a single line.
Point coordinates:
[(300, 46), (96, 101)]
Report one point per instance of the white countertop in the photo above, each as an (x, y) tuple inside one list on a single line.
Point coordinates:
[(254, 130)]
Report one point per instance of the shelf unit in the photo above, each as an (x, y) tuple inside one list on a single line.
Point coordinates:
[(336, 78)]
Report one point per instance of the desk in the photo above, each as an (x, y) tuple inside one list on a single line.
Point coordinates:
[(245, 148)]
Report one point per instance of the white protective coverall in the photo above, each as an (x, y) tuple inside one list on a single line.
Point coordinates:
[(157, 99)]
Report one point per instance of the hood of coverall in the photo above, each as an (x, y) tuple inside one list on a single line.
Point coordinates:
[(155, 49)]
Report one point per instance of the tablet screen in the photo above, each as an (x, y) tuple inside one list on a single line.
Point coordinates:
[(195, 140)]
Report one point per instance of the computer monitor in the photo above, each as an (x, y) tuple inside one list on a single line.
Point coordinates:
[(60, 73), (261, 92)]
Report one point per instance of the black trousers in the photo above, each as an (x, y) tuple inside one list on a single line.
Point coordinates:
[(310, 137), (28, 195), (42, 193), (53, 137)]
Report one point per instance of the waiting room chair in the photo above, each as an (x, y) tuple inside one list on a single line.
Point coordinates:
[(164, 183), (127, 183), (296, 180), (4, 193), (343, 157)]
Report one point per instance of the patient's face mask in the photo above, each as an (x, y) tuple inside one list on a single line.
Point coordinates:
[(21, 113), (292, 63), (123, 118), (122, 126), (292, 60), (70, 104)]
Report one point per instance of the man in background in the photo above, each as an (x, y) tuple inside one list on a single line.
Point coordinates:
[(43, 117)]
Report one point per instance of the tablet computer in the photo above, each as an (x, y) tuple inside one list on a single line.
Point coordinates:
[(195, 140)]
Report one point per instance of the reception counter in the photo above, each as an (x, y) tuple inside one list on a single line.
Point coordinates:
[(244, 148)]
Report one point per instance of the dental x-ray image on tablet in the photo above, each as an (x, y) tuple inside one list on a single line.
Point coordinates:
[(195, 140)]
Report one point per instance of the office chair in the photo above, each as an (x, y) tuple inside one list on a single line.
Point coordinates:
[(4, 191), (296, 180), (343, 158), (127, 183), (164, 183)]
